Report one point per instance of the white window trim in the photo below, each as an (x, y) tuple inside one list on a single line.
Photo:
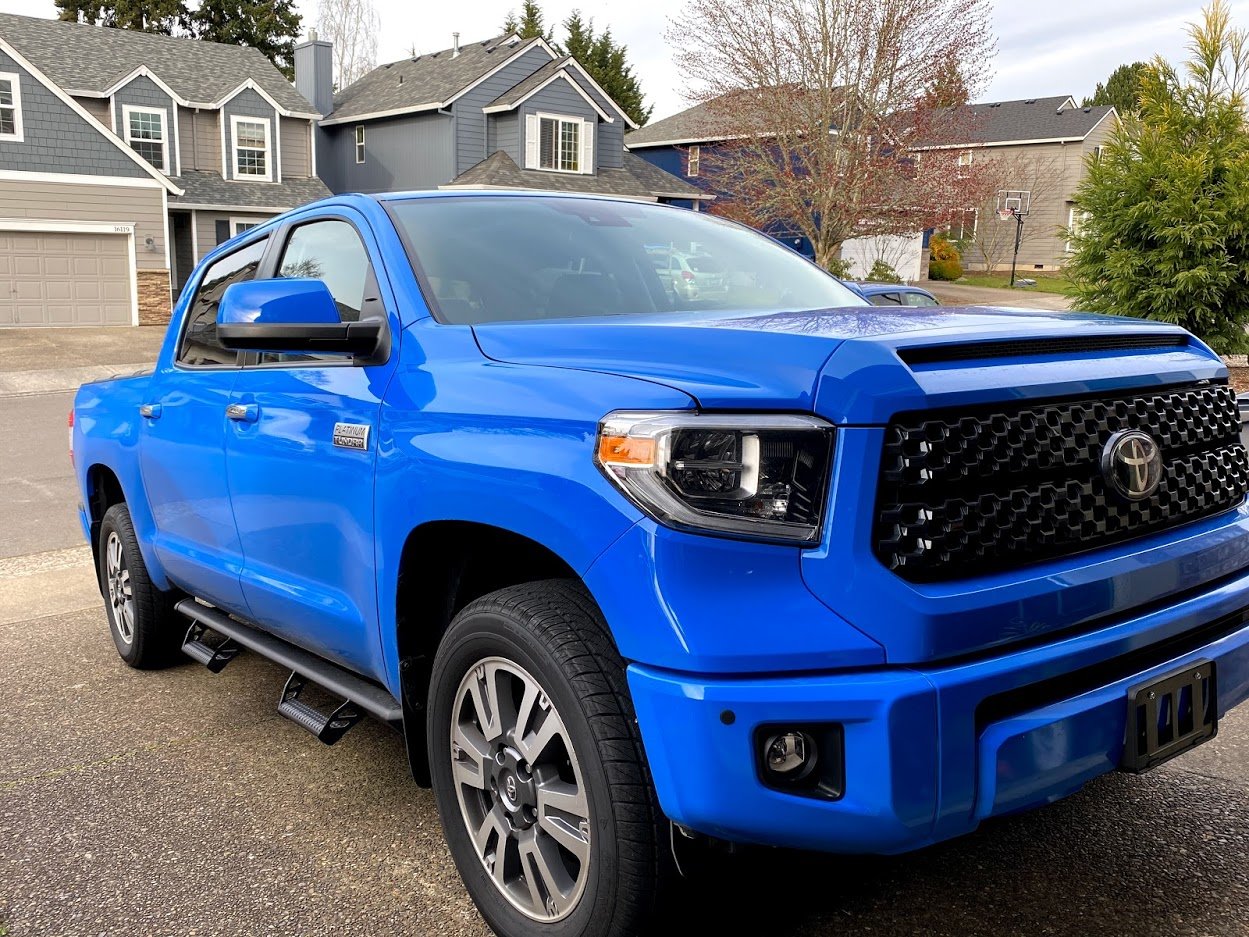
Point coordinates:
[(585, 128), (19, 127), (235, 222), (965, 159), (693, 160), (361, 146), (235, 120), (127, 109)]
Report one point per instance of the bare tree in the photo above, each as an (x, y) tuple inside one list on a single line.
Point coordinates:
[(821, 104), (993, 241), (352, 26)]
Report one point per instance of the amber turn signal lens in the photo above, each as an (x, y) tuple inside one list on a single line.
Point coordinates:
[(625, 450)]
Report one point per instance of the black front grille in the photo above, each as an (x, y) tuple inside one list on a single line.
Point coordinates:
[(974, 491)]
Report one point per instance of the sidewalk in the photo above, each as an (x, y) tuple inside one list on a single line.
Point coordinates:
[(44, 361)]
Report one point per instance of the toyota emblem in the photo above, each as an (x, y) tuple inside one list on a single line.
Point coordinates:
[(1132, 464)]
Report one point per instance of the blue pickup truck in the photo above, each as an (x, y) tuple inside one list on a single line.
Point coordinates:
[(634, 572)]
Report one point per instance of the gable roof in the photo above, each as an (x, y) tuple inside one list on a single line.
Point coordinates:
[(429, 81), (548, 73), (89, 61), (207, 190), (638, 179), (1031, 120), (37, 74)]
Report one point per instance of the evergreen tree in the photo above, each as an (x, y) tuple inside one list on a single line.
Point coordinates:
[(1162, 233), (947, 88), (268, 25), (1122, 88), (608, 64), (531, 23), (149, 16)]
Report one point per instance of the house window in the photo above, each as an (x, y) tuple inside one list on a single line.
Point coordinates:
[(145, 133), (359, 143), (964, 159), (1097, 153), (963, 225), (692, 161), (10, 108), (252, 158), (1075, 221), (559, 144), (239, 225)]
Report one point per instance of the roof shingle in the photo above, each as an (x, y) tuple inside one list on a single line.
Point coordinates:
[(80, 57), (425, 80), (208, 188), (638, 179)]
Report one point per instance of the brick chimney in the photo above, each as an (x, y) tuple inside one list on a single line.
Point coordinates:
[(314, 72)]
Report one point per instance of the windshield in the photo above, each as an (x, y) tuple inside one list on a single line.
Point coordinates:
[(499, 259)]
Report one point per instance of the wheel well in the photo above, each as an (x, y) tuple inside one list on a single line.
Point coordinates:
[(103, 491), (444, 566)]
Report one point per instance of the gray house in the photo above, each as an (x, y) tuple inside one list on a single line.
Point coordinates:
[(504, 113), (125, 157)]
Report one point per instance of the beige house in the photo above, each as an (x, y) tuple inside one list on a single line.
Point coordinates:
[(1038, 145), (126, 157)]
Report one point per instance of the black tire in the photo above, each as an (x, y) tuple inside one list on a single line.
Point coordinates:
[(148, 633), (554, 631)]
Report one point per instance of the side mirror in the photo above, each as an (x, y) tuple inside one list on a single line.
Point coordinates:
[(294, 315)]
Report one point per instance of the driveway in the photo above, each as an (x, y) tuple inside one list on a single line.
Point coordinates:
[(178, 802), (955, 294)]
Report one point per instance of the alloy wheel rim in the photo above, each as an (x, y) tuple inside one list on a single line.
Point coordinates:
[(520, 789), (120, 593)]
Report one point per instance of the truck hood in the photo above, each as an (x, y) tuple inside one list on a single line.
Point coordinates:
[(846, 364)]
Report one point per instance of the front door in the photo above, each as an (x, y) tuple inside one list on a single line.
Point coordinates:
[(182, 446), (302, 460)]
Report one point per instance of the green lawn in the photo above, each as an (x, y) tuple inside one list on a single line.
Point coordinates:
[(1045, 282)]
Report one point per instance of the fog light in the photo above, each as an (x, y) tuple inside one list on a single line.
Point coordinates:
[(789, 754)]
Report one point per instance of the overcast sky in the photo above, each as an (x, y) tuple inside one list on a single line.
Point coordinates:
[(1044, 46)]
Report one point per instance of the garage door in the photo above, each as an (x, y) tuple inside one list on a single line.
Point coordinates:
[(64, 279)]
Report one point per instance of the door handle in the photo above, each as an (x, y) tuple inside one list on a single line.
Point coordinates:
[(150, 410), (243, 412)]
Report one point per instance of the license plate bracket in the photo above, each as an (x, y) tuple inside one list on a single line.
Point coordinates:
[(1171, 715)]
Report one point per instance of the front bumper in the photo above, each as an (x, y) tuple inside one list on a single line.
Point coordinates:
[(929, 753)]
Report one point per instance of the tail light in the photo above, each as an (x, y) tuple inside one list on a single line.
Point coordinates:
[(686, 275), (71, 435)]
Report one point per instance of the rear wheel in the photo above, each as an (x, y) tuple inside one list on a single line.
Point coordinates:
[(141, 618), (538, 769)]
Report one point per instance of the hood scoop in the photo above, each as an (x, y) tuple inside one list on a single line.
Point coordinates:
[(1038, 347)]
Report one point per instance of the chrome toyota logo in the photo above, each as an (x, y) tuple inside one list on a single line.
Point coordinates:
[(510, 784), (1132, 464)]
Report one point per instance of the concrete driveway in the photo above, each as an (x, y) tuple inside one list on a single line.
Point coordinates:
[(178, 802), (956, 294)]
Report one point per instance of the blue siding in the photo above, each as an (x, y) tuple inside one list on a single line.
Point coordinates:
[(610, 136), (470, 121), (249, 104), (673, 159), (144, 92), (401, 154), (507, 136), (56, 139)]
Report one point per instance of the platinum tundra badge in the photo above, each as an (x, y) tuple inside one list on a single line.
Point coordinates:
[(351, 435)]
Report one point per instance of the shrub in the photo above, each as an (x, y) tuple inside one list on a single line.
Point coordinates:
[(944, 262), (881, 272), (839, 268)]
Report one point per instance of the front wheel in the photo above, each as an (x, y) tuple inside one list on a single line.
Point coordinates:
[(538, 768)]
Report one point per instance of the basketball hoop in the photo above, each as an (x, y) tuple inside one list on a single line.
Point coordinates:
[(1005, 214)]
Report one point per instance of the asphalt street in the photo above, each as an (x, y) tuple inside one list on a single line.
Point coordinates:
[(178, 802)]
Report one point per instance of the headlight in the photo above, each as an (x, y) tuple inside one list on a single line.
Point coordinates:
[(751, 475)]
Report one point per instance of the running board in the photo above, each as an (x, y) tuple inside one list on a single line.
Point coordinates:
[(360, 693)]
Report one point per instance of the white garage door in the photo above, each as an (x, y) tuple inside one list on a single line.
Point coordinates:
[(64, 279)]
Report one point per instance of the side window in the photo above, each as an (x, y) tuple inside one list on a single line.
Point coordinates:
[(200, 346), (885, 299), (330, 251), (918, 299)]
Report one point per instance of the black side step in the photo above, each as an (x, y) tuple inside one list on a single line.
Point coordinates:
[(362, 694), (213, 656), (327, 728)]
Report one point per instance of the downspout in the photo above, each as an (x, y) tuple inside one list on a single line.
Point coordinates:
[(195, 139)]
